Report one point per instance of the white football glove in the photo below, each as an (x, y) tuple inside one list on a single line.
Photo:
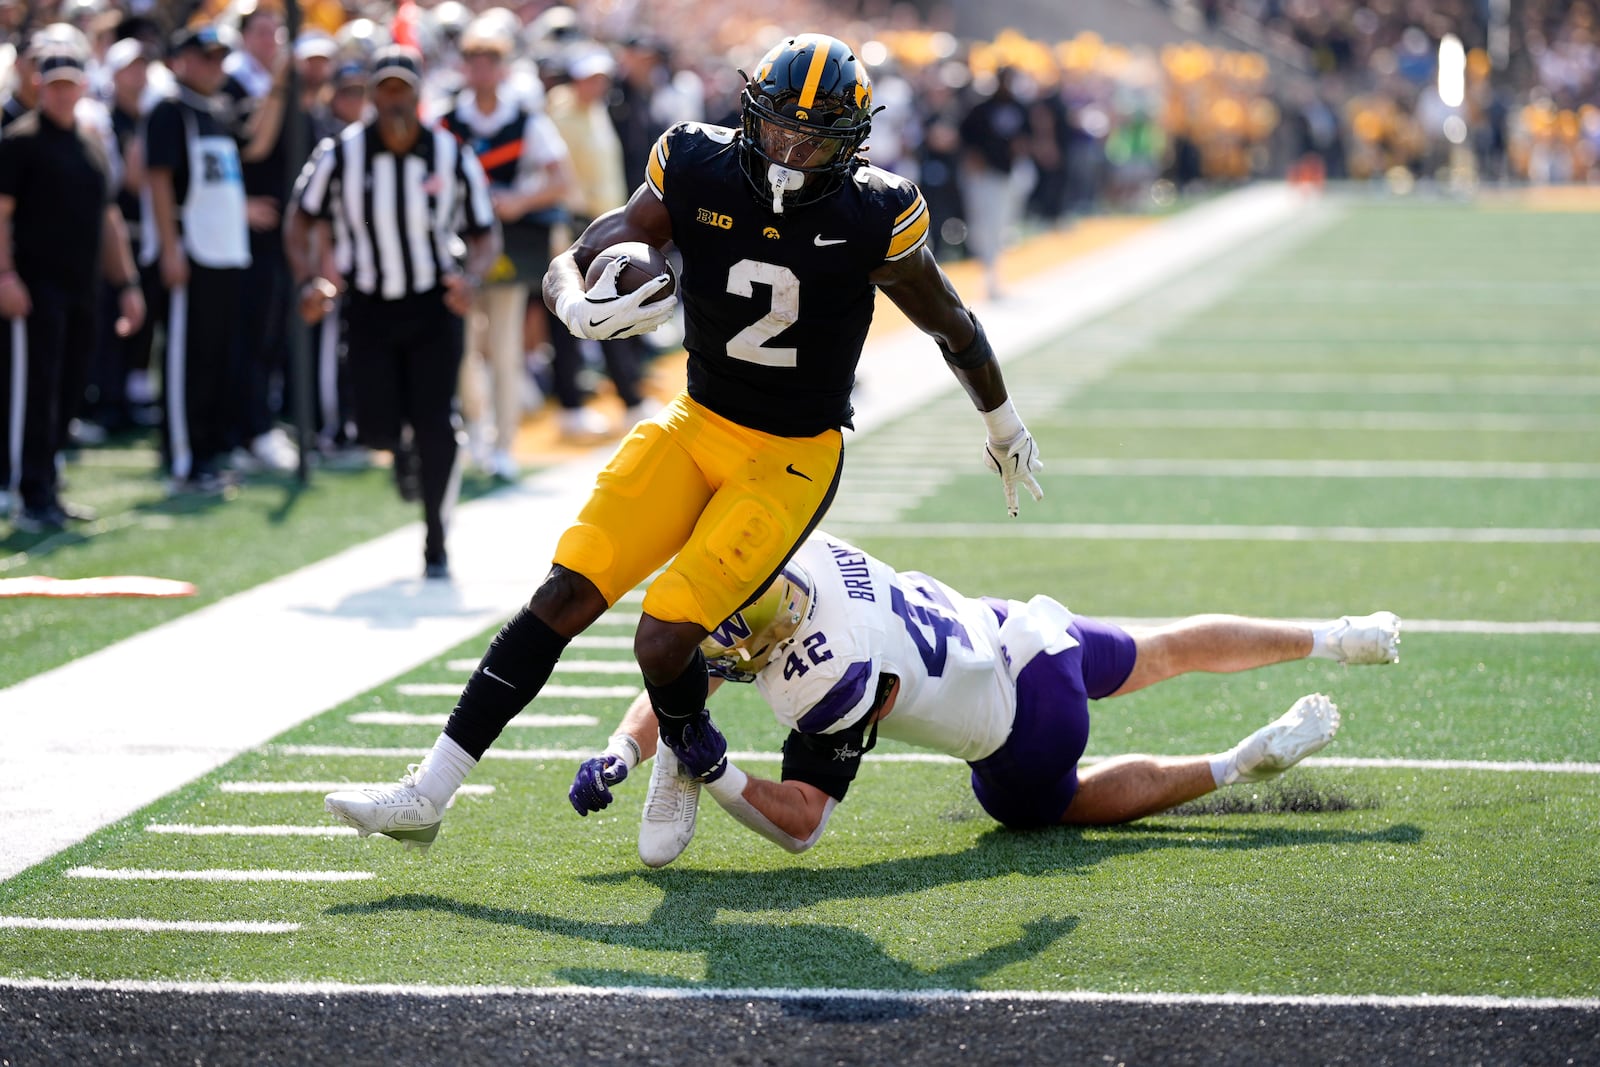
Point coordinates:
[(603, 314), (1015, 460)]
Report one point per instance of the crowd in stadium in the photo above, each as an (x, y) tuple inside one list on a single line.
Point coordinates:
[(994, 132)]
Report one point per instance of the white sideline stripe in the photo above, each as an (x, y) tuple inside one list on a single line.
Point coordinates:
[(137, 874), (567, 666), (224, 830), (412, 718), (1289, 382), (149, 926), (1224, 419), (569, 692), (1107, 531), (889, 996), (268, 788), (541, 754), (1321, 468)]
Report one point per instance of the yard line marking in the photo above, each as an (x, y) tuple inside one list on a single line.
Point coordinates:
[(149, 926), (782, 993), (411, 718), (538, 754), (1322, 468), (1098, 531), (1230, 419), (1417, 626), (617, 618), (136, 874), (568, 692), (570, 666), (223, 830), (1502, 766), (593, 641), (269, 788), (1290, 382)]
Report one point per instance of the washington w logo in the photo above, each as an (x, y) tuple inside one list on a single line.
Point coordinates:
[(734, 630)]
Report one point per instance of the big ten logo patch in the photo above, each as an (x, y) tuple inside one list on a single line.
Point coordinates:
[(711, 218)]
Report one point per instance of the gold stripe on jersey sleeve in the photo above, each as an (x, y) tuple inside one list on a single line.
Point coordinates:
[(911, 209), (911, 234), (655, 171), (819, 62)]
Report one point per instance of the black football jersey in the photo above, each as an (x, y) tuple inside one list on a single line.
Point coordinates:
[(777, 305)]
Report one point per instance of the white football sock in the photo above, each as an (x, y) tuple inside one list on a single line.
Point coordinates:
[(443, 771)]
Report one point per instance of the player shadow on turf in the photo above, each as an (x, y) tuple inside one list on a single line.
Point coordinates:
[(699, 911), (398, 605), (738, 953)]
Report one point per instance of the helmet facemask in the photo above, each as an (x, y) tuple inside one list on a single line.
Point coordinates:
[(805, 116), (747, 639)]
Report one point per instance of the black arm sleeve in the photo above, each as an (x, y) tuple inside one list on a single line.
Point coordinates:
[(827, 761)]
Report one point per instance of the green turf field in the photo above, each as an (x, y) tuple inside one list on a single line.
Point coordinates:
[(1437, 334)]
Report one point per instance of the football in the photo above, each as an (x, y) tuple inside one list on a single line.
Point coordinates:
[(644, 262)]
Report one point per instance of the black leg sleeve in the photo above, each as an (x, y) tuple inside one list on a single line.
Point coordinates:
[(510, 675), (680, 699)]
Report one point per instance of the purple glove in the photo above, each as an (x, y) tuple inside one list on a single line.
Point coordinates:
[(700, 748), (589, 790)]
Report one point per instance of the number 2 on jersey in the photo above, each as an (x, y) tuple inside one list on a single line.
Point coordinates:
[(785, 310)]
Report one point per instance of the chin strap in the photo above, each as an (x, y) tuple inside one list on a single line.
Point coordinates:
[(781, 180)]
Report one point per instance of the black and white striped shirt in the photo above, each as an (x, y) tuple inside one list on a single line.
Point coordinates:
[(398, 220)]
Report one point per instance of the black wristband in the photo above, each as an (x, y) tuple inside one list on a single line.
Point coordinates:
[(976, 354)]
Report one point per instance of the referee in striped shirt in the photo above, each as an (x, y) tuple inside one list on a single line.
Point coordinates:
[(398, 197)]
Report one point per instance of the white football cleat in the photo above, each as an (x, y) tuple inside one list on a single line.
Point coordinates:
[(670, 806), (1364, 639), (1305, 728), (396, 811)]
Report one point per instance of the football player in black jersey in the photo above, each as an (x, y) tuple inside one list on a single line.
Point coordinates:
[(786, 232)]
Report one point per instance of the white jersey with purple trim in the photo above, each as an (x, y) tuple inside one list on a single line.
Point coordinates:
[(957, 693)]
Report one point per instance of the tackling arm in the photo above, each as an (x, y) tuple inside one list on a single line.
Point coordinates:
[(790, 814)]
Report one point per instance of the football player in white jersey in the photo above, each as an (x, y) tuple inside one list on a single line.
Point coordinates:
[(844, 649)]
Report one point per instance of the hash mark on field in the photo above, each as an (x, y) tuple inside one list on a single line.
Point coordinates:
[(223, 830), (551, 754), (136, 874), (148, 926), (259, 788), (571, 692), (1107, 531), (410, 718), (571, 666)]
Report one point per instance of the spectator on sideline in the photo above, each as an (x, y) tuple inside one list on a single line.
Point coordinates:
[(58, 223), (995, 139), (526, 164), (843, 648), (196, 224), (255, 75), (408, 292), (579, 111)]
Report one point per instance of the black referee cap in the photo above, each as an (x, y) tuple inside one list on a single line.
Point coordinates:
[(396, 61)]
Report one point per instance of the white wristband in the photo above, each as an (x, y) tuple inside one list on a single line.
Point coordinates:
[(1003, 422), (624, 748), (567, 306), (729, 788)]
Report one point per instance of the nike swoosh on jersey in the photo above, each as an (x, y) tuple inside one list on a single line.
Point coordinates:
[(790, 469), (824, 242)]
